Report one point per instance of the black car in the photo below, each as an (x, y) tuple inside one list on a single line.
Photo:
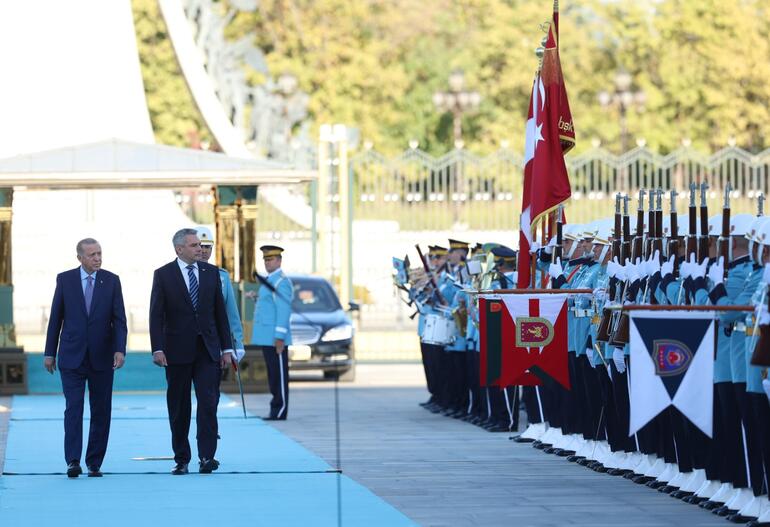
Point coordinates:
[(321, 330)]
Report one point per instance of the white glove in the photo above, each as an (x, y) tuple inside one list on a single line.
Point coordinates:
[(612, 268), (699, 271), (534, 247), (555, 269), (238, 355), (687, 268), (600, 295), (619, 359), (653, 264), (621, 272), (766, 274), (551, 244), (762, 315), (632, 271), (716, 272), (766, 386), (668, 267)]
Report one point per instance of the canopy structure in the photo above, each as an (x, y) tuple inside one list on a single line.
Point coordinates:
[(118, 163)]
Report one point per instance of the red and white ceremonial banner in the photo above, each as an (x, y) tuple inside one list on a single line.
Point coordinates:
[(534, 339), (549, 135)]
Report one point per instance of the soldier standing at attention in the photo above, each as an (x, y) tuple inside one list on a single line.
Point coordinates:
[(272, 331)]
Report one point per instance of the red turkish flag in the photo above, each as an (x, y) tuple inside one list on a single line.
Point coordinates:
[(549, 135)]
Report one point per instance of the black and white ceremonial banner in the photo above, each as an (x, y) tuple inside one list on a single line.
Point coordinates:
[(672, 363)]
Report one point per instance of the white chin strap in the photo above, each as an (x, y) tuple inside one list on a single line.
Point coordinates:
[(603, 255), (572, 250)]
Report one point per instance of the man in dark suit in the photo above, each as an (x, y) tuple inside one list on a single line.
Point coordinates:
[(190, 337), (87, 328)]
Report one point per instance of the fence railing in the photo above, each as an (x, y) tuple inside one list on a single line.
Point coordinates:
[(462, 191)]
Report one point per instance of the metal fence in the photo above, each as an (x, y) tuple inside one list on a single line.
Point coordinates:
[(460, 191)]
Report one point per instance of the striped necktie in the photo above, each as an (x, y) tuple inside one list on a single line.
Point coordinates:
[(193, 285)]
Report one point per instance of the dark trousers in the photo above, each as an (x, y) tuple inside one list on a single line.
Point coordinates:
[(472, 379), (732, 468), (278, 381), (204, 374), (100, 401), (752, 453), (761, 408), (426, 350), (529, 394)]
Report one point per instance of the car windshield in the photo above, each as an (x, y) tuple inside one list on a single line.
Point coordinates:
[(313, 296)]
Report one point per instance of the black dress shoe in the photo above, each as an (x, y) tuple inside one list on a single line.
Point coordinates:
[(73, 469), (565, 453), (618, 471), (631, 475), (180, 469), (207, 466), (711, 505), (668, 489), (520, 439), (757, 523), (739, 518), (694, 499), (655, 484), (642, 479), (94, 472), (575, 458), (270, 418), (584, 462), (724, 511)]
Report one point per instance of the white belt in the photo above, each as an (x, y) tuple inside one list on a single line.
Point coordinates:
[(581, 313)]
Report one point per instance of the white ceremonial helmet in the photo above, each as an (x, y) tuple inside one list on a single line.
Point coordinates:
[(571, 231), (740, 224), (753, 230), (204, 235), (761, 236)]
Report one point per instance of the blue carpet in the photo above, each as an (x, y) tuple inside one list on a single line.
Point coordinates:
[(138, 374), (265, 477)]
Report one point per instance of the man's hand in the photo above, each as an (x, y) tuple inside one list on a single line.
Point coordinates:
[(251, 295), (279, 346), (118, 360), (226, 360), (159, 359), (50, 364)]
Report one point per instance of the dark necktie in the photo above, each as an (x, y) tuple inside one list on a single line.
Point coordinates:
[(89, 293), (193, 285)]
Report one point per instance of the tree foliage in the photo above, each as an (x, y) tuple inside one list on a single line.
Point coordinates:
[(703, 66)]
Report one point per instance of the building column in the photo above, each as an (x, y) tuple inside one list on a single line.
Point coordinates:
[(235, 216), (7, 330)]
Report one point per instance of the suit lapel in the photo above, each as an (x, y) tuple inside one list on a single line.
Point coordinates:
[(79, 288)]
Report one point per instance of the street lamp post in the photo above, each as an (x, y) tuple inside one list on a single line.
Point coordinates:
[(458, 101), (624, 98)]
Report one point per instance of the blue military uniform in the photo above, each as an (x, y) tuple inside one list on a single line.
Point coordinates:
[(272, 316)]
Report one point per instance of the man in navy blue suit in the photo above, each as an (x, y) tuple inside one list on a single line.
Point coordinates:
[(190, 337), (87, 328)]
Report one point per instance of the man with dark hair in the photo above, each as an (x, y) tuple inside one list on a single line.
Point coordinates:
[(87, 331), (190, 337)]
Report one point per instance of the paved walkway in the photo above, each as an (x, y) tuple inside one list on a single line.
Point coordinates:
[(443, 472), (436, 471)]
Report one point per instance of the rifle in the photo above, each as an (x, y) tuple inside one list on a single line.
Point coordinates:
[(723, 244), (703, 240), (650, 226), (761, 352), (692, 238), (761, 204), (625, 248), (673, 243), (636, 250), (603, 331), (429, 272), (557, 251), (620, 327), (657, 244)]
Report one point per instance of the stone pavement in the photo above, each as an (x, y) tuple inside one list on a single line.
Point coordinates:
[(443, 472)]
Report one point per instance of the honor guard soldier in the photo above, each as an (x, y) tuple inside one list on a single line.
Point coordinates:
[(233, 315), (272, 331)]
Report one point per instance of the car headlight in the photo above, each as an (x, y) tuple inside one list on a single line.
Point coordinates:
[(343, 332)]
